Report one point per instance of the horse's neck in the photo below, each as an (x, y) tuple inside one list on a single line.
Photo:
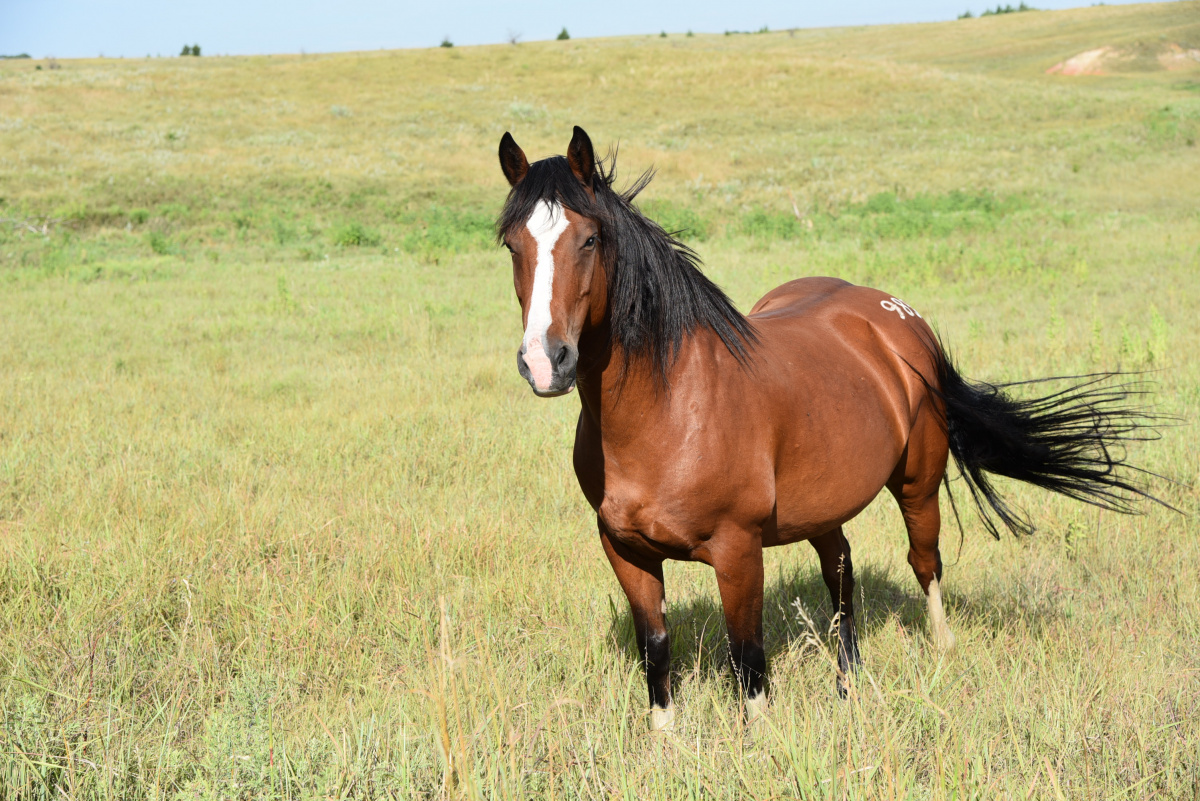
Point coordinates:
[(621, 398), (610, 389)]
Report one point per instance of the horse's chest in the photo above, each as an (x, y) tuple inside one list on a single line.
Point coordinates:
[(650, 525), (668, 502)]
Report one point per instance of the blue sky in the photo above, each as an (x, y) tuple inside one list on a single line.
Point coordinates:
[(132, 28)]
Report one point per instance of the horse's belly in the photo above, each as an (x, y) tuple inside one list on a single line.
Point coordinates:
[(827, 493), (836, 451)]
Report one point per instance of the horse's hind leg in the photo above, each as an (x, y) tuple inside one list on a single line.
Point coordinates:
[(642, 581), (923, 520), (838, 572), (915, 485)]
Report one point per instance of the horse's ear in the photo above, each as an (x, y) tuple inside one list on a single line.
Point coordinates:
[(581, 157), (512, 159)]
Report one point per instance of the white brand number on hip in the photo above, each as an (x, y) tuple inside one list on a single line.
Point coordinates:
[(899, 307)]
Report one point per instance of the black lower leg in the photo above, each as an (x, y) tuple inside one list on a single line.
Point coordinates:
[(749, 666), (739, 569), (655, 648), (848, 656), (642, 581), (838, 572)]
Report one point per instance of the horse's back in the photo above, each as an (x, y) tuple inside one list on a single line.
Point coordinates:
[(798, 297), (826, 313)]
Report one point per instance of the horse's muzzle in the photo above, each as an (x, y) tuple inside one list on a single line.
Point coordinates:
[(550, 371)]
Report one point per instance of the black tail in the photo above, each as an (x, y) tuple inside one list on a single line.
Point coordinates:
[(1071, 442)]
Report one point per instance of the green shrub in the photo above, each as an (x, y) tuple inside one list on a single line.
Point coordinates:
[(563, 35), (84, 217), (888, 216), (355, 234), (159, 243), (761, 224), (679, 220), (177, 212), (441, 229), (1007, 10), (284, 231)]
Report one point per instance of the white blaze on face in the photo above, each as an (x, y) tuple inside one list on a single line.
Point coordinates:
[(546, 224)]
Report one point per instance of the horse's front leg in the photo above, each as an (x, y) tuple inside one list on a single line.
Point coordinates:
[(739, 568), (642, 580)]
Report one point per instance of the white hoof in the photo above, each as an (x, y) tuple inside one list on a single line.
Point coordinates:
[(943, 638), (662, 719), (756, 707)]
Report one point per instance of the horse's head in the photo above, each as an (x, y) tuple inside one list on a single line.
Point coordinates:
[(551, 225)]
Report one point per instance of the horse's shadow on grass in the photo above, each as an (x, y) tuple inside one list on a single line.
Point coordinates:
[(797, 609)]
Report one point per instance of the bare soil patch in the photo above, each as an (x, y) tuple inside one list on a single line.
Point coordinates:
[(1111, 59)]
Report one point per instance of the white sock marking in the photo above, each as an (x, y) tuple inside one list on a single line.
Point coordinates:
[(756, 707), (662, 719), (942, 636), (546, 224)]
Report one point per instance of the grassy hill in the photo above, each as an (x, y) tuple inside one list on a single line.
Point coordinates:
[(218, 152), (278, 518)]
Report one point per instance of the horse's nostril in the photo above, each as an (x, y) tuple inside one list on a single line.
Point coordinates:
[(561, 356)]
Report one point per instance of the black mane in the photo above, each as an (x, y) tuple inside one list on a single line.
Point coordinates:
[(657, 295)]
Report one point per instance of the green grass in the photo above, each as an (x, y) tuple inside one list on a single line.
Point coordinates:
[(278, 518)]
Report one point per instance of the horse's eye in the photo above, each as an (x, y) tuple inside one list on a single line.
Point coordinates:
[(591, 241), (505, 243)]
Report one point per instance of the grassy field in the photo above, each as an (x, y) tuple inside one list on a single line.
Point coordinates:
[(279, 519)]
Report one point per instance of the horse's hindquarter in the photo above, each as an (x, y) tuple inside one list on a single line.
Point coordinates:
[(843, 400)]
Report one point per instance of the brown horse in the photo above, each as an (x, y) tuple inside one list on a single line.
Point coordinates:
[(708, 435)]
